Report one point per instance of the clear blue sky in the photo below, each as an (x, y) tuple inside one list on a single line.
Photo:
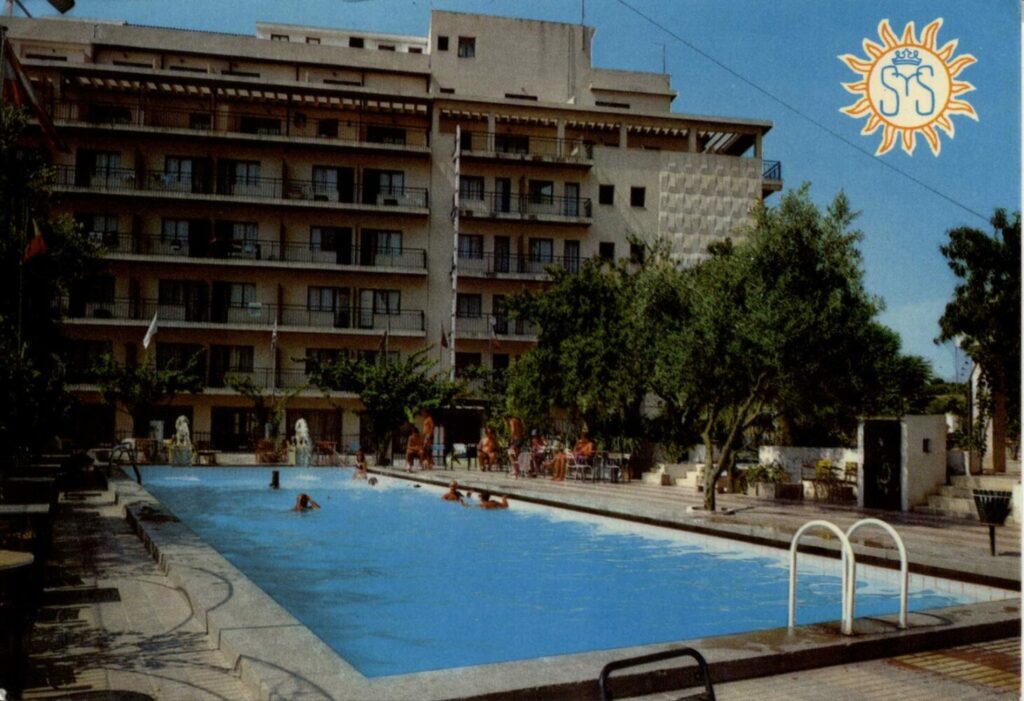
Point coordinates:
[(788, 48)]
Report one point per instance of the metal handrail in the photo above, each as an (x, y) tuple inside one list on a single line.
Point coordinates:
[(527, 145), (702, 665), (159, 181), (771, 170), (846, 556), (904, 565), (126, 449), (345, 127), (262, 250)]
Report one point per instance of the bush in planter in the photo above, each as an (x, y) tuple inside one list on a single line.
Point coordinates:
[(763, 480)]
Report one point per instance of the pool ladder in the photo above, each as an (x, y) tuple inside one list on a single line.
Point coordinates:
[(848, 562)]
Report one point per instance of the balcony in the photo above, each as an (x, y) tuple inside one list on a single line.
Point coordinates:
[(526, 149), (520, 208), (344, 130), (264, 251), (502, 327), (259, 315), (513, 266), (193, 187), (771, 177)]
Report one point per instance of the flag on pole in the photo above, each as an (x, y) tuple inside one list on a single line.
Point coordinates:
[(444, 338), (493, 344), (273, 337), (150, 332), (36, 245), (17, 90)]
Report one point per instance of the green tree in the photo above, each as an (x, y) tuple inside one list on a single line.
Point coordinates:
[(391, 391), (138, 389), (589, 358), (268, 406), (776, 332), (30, 291), (984, 318)]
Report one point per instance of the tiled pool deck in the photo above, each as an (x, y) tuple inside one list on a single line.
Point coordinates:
[(193, 628)]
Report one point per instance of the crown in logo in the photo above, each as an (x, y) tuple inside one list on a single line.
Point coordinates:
[(907, 57)]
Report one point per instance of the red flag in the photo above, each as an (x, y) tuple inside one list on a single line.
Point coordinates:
[(36, 246), (444, 338), (17, 90)]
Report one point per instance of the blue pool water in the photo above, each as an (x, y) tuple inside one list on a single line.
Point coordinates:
[(396, 580)]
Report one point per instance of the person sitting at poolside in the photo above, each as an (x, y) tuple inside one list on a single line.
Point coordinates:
[(584, 448), (414, 449), (538, 450), (453, 494), (304, 502), (487, 450), (487, 503), (360, 472)]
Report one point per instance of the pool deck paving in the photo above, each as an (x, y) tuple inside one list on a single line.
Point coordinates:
[(115, 625)]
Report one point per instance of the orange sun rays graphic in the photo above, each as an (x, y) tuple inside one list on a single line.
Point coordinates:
[(908, 86)]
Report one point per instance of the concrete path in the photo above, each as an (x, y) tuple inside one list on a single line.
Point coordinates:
[(112, 622)]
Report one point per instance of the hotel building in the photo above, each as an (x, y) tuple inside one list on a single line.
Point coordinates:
[(357, 192)]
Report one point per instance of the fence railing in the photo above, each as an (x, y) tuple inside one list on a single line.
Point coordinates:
[(346, 127), (252, 314), (226, 184), (515, 264), (494, 325), (497, 203), (772, 170), (541, 147), (261, 250)]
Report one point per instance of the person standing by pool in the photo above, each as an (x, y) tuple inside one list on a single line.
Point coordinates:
[(360, 472), (487, 503), (516, 433), (427, 454), (488, 450), (304, 502), (414, 449)]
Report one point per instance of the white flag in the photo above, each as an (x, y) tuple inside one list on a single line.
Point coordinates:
[(273, 337), (150, 332)]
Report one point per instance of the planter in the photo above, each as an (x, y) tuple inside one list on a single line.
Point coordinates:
[(775, 490)]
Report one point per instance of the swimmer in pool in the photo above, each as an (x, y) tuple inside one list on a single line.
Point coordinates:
[(453, 494), (487, 503), (304, 502), (360, 472)]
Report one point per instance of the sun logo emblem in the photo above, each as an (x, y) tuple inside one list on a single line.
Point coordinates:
[(908, 86)]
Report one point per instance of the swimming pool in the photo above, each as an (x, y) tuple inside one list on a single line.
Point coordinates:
[(396, 580)]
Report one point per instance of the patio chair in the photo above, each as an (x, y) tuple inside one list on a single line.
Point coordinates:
[(607, 468), (688, 675), (579, 468)]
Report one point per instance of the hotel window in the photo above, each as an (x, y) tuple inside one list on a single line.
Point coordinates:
[(327, 128), (467, 47), (231, 358), (499, 362), (511, 143), (312, 40), (177, 356), (465, 361), (385, 135), (542, 250), (259, 125), (469, 305), (241, 294), (571, 256), (174, 234), (471, 246), (606, 194), (279, 37), (241, 176), (383, 242), (471, 187), (100, 228), (324, 238), (317, 357), (442, 43), (200, 121), (637, 196), (356, 42), (606, 250), (542, 191)]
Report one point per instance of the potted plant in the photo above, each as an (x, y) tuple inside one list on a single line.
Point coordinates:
[(767, 481)]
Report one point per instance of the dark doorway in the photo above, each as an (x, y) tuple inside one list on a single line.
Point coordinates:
[(232, 429), (882, 464)]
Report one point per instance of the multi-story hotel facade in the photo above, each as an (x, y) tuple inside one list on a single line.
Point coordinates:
[(306, 192)]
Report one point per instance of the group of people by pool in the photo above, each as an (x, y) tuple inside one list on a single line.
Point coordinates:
[(486, 502), (545, 458)]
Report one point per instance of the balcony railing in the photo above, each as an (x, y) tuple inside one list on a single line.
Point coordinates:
[(514, 264), (527, 147), (772, 170), (262, 250), (497, 325), (345, 128), (261, 377), (357, 318), (253, 314), (258, 188), (495, 204)]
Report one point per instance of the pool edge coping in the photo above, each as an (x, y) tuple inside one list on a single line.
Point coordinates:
[(279, 658)]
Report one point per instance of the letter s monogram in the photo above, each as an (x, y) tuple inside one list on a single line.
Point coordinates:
[(890, 72), (930, 100)]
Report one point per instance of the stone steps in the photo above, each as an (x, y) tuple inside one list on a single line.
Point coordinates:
[(956, 500)]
